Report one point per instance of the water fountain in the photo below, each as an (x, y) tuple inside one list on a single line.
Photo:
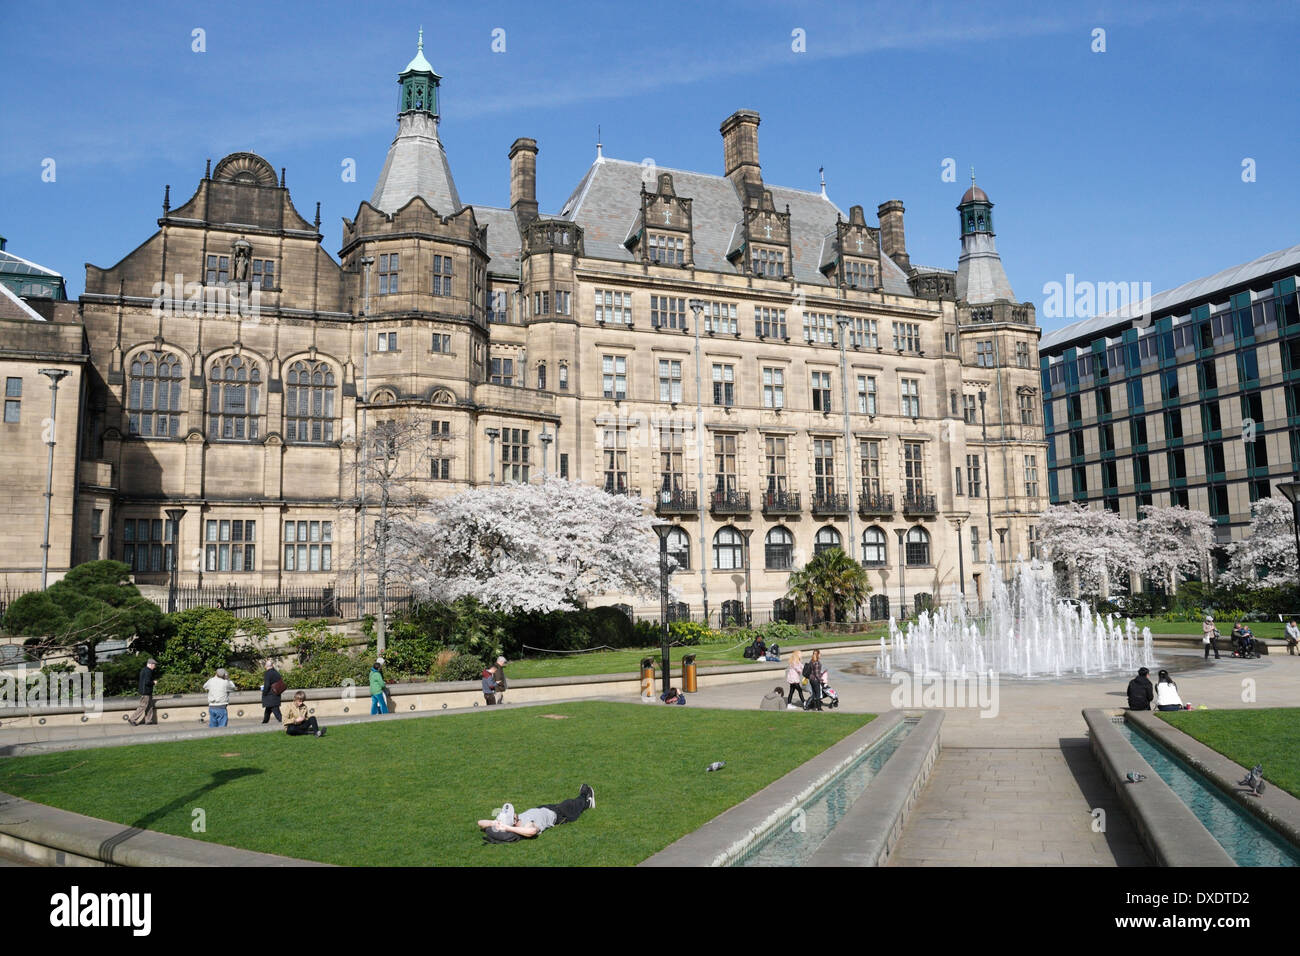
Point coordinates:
[(1027, 631)]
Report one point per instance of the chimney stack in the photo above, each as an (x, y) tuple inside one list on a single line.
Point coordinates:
[(892, 241), (523, 180), (740, 149)]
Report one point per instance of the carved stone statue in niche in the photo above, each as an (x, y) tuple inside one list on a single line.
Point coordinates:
[(243, 264)]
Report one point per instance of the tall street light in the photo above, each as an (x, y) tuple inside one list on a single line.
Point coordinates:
[(545, 438), (366, 263), (749, 589), (961, 561), (988, 475), (663, 529), (1002, 541), (54, 375), (1291, 489), (902, 600), (174, 515), (492, 434), (697, 306), (843, 322)]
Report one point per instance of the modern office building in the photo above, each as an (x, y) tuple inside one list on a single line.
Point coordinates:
[(770, 373), (1192, 399)]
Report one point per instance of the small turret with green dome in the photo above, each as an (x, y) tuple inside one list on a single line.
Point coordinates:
[(419, 82), (976, 210)]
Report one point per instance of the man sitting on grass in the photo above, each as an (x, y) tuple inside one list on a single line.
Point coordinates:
[(510, 828)]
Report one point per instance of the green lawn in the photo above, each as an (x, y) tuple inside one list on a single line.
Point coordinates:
[(407, 792), (629, 661), (1273, 630), (1266, 736)]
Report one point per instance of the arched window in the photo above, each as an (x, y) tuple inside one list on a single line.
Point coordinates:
[(826, 539), (309, 402), (728, 550), (541, 376), (383, 396), (234, 398), (917, 547), (679, 549), (874, 547), (779, 549), (153, 400)]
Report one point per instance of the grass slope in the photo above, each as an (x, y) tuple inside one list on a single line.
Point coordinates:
[(629, 661), (1248, 737), (407, 793)]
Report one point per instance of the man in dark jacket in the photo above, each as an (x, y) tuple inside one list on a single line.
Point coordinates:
[(1140, 691), (271, 696), (146, 713)]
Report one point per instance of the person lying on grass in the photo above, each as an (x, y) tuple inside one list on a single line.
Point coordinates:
[(509, 827)]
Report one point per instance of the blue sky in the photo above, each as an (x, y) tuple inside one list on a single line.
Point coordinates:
[(1116, 166)]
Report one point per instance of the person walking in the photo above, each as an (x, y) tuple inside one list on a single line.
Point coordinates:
[(1208, 633), (378, 702), (146, 712), (1292, 636), (490, 685), (272, 688), (816, 673), (1167, 693), (297, 722), (219, 689), (1140, 691), (794, 678), (501, 680)]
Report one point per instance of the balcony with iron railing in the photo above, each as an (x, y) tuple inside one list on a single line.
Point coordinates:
[(669, 502), (875, 505), (919, 505), (829, 504), (729, 502), (782, 503)]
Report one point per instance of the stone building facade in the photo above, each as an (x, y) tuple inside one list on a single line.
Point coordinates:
[(771, 374)]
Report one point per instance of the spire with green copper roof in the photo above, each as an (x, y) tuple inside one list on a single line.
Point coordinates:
[(419, 84)]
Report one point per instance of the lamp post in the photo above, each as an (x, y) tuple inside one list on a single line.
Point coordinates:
[(902, 600), (749, 590), (174, 515), (366, 263), (1002, 542), (545, 438), (663, 529), (697, 306), (842, 321), (492, 434), (54, 375), (1291, 489), (961, 561), (988, 475)]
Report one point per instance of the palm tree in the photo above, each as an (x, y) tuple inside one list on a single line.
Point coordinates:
[(831, 580)]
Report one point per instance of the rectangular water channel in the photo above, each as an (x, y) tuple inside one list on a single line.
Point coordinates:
[(1248, 841), (793, 842)]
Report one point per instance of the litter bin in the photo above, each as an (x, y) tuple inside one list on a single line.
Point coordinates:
[(647, 677), (688, 674)]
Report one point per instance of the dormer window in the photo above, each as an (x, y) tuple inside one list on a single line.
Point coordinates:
[(859, 275), (667, 249), (769, 263)]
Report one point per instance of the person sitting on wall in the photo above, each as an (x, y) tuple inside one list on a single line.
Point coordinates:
[(1140, 691)]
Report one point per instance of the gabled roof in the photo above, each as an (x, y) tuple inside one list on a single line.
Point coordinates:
[(416, 165), (1188, 292), (11, 264), (12, 307), (503, 239), (606, 203)]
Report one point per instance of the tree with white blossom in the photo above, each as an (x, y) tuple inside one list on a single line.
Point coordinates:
[(528, 547), (1267, 557), (1095, 545), (1173, 542)]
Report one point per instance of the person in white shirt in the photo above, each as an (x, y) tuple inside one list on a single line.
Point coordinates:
[(219, 689), (1167, 693), (1292, 635)]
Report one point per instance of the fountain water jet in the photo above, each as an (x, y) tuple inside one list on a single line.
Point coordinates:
[(1028, 631)]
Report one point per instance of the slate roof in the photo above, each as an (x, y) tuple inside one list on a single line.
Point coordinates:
[(1188, 292), (606, 203), (502, 238), (416, 165), (12, 307), (980, 276)]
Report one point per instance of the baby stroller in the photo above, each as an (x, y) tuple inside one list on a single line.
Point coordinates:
[(829, 699)]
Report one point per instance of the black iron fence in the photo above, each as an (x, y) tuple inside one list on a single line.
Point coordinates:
[(291, 603)]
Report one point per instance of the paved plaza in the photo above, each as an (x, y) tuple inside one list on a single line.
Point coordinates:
[(1017, 788)]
